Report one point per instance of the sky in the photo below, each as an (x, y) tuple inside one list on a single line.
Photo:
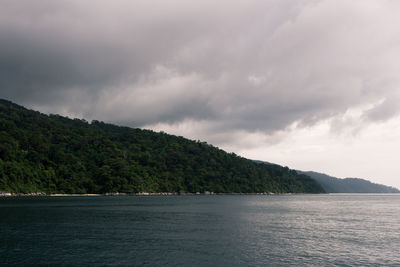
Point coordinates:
[(308, 84)]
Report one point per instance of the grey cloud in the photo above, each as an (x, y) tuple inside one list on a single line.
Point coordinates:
[(384, 111), (257, 66)]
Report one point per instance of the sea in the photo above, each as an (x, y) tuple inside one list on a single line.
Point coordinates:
[(201, 230)]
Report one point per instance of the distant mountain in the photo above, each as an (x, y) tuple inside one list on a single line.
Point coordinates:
[(55, 154), (349, 185)]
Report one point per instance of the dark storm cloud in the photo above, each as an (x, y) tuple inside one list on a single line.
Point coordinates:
[(229, 65)]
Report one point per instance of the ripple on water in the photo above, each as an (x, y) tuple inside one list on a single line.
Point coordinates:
[(319, 230)]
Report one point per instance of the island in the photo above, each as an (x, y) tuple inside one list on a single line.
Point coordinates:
[(52, 154)]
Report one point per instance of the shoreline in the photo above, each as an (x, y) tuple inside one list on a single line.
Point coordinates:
[(42, 194)]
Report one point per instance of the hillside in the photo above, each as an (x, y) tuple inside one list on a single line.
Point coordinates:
[(349, 185), (55, 154)]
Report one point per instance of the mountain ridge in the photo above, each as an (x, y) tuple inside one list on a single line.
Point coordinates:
[(349, 185), (333, 184), (56, 154)]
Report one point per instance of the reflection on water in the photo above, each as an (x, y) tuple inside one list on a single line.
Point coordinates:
[(321, 230)]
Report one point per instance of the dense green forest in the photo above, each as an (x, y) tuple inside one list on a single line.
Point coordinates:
[(55, 154)]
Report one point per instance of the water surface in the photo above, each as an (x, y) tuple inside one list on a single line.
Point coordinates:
[(240, 230)]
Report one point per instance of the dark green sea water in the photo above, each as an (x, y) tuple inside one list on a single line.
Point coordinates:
[(281, 230)]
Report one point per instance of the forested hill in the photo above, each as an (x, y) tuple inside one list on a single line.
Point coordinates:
[(55, 154), (349, 185)]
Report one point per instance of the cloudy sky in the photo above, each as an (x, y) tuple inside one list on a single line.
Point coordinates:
[(311, 84)]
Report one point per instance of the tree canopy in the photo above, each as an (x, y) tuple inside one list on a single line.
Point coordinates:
[(55, 154)]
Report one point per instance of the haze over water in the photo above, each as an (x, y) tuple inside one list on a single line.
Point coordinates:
[(245, 230)]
